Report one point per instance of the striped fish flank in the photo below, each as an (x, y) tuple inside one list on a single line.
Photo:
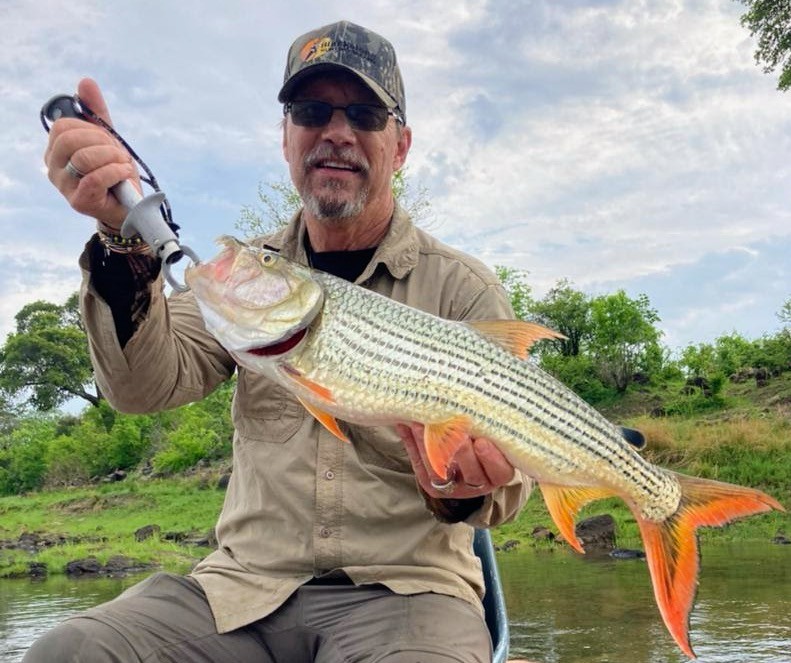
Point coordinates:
[(350, 354), (389, 363)]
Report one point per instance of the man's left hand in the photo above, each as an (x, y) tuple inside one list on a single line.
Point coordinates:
[(477, 469)]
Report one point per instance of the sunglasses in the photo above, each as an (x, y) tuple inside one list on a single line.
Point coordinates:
[(361, 117)]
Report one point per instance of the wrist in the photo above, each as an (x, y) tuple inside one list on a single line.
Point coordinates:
[(115, 242)]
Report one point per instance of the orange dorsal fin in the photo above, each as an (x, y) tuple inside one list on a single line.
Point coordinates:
[(442, 441), (516, 336), (317, 393), (325, 419), (564, 503), (671, 546)]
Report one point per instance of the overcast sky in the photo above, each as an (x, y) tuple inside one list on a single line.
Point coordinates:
[(628, 144)]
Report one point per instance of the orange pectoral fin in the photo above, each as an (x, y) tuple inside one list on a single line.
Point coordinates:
[(325, 419), (443, 440), (564, 503), (516, 336), (314, 388), (320, 393)]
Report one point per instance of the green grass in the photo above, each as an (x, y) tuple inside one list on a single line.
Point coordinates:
[(101, 522)]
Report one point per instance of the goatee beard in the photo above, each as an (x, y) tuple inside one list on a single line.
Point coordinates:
[(330, 208), (329, 203)]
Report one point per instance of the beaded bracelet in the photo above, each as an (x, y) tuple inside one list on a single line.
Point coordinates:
[(119, 244)]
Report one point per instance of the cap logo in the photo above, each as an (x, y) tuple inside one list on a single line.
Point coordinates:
[(315, 48)]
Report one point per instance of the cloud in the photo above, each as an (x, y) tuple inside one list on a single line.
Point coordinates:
[(616, 143)]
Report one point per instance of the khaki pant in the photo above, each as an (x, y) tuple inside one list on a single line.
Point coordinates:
[(167, 618)]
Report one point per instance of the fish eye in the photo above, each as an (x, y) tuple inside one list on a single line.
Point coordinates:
[(268, 259)]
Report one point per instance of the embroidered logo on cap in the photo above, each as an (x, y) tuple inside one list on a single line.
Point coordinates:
[(315, 48)]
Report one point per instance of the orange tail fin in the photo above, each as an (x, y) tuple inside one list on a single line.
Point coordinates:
[(671, 546)]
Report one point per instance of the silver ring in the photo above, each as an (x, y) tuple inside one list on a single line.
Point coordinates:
[(72, 170), (446, 487), (475, 486)]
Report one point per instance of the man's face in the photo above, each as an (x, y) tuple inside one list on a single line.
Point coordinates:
[(342, 173)]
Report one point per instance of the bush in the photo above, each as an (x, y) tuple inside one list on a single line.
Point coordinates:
[(22, 452), (580, 374)]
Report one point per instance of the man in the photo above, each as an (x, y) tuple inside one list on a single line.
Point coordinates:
[(327, 551)]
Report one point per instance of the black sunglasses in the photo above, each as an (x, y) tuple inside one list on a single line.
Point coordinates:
[(361, 117)]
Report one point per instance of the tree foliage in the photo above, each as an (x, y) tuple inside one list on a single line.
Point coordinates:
[(567, 311), (519, 292), (45, 362), (770, 21), (609, 339), (785, 312), (624, 338)]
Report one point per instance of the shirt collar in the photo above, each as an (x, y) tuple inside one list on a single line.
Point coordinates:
[(398, 250)]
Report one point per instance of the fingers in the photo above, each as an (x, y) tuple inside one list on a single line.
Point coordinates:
[(89, 93), (95, 153), (478, 467)]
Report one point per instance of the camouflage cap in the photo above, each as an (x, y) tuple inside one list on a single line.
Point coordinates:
[(351, 47)]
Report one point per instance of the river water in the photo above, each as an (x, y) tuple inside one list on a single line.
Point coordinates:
[(563, 608)]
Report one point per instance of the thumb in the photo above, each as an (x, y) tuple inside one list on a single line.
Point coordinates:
[(89, 93)]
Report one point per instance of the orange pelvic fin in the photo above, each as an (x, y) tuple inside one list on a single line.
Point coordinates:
[(325, 419), (671, 546), (516, 336), (564, 503), (443, 440)]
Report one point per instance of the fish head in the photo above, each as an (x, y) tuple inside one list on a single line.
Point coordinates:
[(255, 302)]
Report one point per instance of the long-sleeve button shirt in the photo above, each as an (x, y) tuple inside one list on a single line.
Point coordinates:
[(300, 503)]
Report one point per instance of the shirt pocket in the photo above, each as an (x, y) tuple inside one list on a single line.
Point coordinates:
[(380, 447), (263, 411)]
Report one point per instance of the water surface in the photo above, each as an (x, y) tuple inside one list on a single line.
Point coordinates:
[(567, 608), (563, 608)]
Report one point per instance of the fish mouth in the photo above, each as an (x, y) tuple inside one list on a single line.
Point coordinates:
[(280, 347)]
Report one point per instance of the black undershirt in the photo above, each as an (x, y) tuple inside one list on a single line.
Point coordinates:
[(344, 264)]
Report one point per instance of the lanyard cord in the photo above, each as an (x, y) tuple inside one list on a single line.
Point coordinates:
[(85, 111)]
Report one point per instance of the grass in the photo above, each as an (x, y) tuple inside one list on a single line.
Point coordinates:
[(101, 522), (748, 446)]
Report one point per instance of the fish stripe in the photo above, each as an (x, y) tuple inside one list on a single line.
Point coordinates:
[(375, 354)]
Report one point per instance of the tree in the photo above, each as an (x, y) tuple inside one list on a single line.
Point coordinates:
[(624, 339), (785, 312), (771, 21), (46, 361), (567, 311), (276, 206)]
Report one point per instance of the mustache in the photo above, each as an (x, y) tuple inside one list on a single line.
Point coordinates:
[(344, 155)]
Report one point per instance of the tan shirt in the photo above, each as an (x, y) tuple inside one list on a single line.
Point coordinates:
[(300, 502)]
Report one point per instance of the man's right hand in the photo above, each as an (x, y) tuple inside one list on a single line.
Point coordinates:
[(94, 152)]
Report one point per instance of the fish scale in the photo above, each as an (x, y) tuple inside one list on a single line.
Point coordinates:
[(349, 353), (387, 362)]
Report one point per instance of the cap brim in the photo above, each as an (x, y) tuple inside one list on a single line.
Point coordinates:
[(288, 87)]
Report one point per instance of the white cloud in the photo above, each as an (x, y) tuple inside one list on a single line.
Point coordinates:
[(618, 143)]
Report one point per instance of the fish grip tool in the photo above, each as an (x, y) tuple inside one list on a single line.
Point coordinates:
[(149, 216)]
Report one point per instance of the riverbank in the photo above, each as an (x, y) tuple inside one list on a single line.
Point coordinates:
[(162, 523), (168, 522)]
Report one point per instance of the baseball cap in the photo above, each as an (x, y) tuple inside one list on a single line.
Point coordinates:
[(344, 45)]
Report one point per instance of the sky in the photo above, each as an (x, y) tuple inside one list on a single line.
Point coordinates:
[(619, 144)]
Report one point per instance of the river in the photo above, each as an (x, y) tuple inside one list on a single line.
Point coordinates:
[(563, 608)]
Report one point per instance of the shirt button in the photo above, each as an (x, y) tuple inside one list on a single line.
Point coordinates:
[(325, 532), (329, 475)]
